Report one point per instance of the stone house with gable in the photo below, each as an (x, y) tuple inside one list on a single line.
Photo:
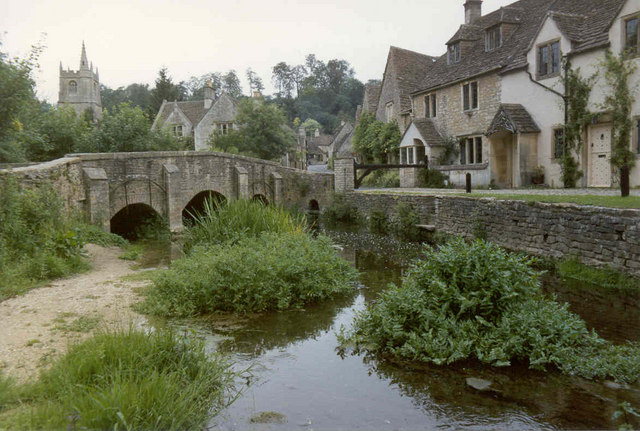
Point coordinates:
[(496, 94), (199, 119)]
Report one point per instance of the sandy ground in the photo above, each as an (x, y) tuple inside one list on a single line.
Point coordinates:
[(40, 325)]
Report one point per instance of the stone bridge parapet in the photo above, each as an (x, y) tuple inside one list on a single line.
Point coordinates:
[(103, 184)]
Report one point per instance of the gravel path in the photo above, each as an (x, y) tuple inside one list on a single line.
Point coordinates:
[(43, 323)]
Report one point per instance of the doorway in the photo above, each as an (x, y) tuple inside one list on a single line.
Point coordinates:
[(600, 166)]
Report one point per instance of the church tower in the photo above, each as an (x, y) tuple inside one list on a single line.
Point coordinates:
[(81, 88)]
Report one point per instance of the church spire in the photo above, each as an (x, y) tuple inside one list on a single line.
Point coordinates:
[(84, 64)]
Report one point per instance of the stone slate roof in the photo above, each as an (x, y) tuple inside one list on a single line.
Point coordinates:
[(514, 118), (409, 69), (343, 135), (194, 110), (322, 140), (371, 96), (346, 148), (428, 131), (312, 148), (585, 22)]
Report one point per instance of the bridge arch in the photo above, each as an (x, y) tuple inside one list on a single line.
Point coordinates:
[(314, 205), (197, 204), (260, 198), (130, 220)]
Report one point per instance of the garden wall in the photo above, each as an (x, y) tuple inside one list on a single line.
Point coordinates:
[(595, 235)]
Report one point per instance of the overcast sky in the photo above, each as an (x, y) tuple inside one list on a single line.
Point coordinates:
[(129, 40)]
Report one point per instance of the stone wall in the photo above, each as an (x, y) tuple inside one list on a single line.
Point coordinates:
[(596, 236), (65, 175)]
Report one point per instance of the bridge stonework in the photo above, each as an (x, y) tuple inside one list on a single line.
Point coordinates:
[(103, 184)]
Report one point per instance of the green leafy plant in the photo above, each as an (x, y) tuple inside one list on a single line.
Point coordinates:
[(341, 210), (477, 301), (127, 379), (625, 413), (384, 178), (378, 222), (274, 271), (405, 222)]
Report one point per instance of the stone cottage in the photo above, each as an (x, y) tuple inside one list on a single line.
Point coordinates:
[(496, 96), (200, 118)]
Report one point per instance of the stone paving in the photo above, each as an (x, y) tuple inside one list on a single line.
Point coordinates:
[(558, 192)]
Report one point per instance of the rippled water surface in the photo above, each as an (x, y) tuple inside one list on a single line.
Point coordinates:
[(298, 372)]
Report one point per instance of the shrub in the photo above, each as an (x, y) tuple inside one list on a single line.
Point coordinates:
[(341, 210), (478, 301), (275, 271), (234, 220), (384, 178), (406, 221), (430, 178), (96, 235), (128, 379)]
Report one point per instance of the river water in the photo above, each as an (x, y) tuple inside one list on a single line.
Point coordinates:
[(298, 372)]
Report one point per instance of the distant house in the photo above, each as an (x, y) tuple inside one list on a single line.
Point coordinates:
[(199, 119), (495, 96)]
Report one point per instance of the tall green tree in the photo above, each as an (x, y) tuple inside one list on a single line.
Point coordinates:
[(262, 132), (255, 82), (231, 84), (374, 140), (165, 89)]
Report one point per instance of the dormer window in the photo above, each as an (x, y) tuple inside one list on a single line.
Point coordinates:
[(430, 106), (454, 52), (549, 59), (493, 38), (631, 35)]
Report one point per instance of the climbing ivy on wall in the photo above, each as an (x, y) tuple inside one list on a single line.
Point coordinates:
[(577, 92), (619, 103)]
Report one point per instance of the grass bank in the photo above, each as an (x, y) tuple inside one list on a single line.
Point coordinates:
[(592, 200), (122, 380)]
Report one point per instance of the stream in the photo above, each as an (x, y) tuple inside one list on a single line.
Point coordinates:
[(300, 377)]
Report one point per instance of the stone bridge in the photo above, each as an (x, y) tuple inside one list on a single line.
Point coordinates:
[(112, 188)]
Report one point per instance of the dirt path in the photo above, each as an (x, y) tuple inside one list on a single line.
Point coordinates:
[(40, 325)]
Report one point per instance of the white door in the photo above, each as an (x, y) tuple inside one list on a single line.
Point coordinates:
[(600, 143)]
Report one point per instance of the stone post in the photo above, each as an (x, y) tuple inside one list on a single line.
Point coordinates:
[(344, 174), (276, 182), (242, 183), (173, 210), (96, 190)]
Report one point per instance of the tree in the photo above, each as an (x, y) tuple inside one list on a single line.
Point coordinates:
[(310, 125), (619, 103), (255, 82), (262, 132), (373, 140), (165, 89), (282, 79), (231, 84), (58, 132)]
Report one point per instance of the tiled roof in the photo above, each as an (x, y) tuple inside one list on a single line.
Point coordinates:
[(513, 118), (585, 22), (341, 137), (194, 110), (428, 131), (346, 147), (409, 69), (322, 140), (371, 96)]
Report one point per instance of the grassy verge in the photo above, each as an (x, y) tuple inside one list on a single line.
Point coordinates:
[(592, 200), (122, 380)]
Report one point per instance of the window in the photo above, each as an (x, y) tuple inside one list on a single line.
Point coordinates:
[(493, 38), (471, 150), (470, 96), (430, 106), (549, 59), (177, 130), (388, 112), (631, 35), (454, 53), (224, 128), (73, 87), (558, 143)]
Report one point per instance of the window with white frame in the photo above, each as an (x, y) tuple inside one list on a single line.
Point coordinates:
[(493, 38), (631, 35), (430, 106), (224, 128), (470, 96), (549, 59), (454, 53), (471, 150), (178, 130)]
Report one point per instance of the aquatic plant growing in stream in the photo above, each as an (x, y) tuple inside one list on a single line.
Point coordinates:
[(275, 271), (123, 380), (232, 220), (477, 301)]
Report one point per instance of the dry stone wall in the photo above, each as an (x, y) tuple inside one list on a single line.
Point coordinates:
[(595, 235)]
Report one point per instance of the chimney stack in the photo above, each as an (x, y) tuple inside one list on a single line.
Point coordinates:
[(472, 11), (209, 95)]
